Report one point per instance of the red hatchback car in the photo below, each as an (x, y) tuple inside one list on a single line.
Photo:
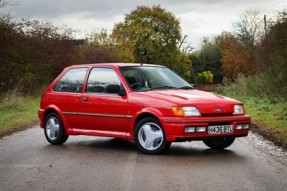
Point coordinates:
[(148, 104)]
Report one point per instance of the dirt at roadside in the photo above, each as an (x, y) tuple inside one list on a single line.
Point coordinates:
[(270, 134)]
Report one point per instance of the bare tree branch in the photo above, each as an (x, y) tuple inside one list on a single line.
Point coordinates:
[(4, 3)]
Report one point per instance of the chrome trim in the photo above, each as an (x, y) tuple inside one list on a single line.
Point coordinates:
[(98, 115)]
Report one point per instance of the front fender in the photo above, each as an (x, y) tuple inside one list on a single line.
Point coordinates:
[(141, 114)]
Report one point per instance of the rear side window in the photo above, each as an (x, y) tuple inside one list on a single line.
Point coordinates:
[(100, 78), (72, 81)]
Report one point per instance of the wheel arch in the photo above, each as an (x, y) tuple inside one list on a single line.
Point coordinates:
[(53, 109), (144, 114)]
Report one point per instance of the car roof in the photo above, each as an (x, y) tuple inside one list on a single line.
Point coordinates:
[(112, 64)]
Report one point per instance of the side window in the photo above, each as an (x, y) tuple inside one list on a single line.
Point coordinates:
[(100, 78), (72, 81)]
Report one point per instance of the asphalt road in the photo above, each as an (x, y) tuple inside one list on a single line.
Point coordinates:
[(28, 162)]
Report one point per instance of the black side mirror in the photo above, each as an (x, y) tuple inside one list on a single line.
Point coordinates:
[(116, 89)]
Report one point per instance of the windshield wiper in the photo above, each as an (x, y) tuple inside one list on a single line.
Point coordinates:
[(185, 88), (162, 87)]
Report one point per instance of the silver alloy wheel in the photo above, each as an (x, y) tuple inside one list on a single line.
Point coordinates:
[(150, 136), (52, 128)]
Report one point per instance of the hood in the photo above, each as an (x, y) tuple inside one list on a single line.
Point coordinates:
[(207, 103)]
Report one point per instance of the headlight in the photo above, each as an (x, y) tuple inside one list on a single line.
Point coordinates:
[(238, 109), (186, 111)]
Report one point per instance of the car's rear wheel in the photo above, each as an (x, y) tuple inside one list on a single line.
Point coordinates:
[(219, 143), (54, 130), (150, 136)]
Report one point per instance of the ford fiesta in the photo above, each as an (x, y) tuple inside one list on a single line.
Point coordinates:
[(147, 104)]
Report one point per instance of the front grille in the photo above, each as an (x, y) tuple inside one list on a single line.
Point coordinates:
[(217, 115), (219, 123)]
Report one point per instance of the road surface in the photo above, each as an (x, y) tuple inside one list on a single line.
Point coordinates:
[(28, 162)]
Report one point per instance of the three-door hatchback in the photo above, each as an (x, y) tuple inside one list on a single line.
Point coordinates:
[(147, 104)]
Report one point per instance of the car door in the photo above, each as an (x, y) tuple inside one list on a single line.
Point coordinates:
[(99, 109)]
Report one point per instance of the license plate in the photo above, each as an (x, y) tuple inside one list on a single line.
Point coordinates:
[(219, 129)]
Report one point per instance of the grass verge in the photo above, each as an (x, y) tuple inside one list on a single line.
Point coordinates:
[(269, 117), (17, 112)]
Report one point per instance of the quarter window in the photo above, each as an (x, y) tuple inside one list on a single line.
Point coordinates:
[(72, 81), (100, 78)]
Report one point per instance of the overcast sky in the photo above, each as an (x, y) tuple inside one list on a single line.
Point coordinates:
[(198, 18)]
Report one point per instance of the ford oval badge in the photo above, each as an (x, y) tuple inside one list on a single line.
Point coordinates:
[(218, 110)]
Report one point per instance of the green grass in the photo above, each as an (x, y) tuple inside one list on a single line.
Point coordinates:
[(17, 112), (268, 116), (273, 115)]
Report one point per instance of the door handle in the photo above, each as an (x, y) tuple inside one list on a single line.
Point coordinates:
[(84, 99)]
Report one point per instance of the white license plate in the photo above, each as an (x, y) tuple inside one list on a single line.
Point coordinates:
[(219, 129)]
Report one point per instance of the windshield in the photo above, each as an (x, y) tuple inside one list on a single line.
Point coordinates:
[(145, 78)]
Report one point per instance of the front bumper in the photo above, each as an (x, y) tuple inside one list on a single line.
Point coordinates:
[(174, 127)]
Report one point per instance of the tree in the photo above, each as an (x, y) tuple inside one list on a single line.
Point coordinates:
[(98, 48), (239, 53), (150, 34), (33, 53), (208, 58), (236, 58), (3, 3), (250, 28), (272, 54)]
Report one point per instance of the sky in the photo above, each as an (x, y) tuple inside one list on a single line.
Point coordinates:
[(198, 18)]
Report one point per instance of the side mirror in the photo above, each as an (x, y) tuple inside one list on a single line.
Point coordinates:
[(116, 89)]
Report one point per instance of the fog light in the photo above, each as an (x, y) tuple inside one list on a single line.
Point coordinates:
[(200, 129), (245, 126), (239, 127), (189, 130), (242, 126)]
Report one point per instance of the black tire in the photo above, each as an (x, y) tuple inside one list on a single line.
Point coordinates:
[(219, 143), (151, 126), (54, 130)]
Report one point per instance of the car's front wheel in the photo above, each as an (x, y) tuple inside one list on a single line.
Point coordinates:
[(219, 143), (150, 137), (54, 130)]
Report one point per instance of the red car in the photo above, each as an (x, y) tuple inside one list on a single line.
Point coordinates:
[(147, 104)]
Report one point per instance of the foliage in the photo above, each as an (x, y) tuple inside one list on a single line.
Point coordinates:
[(205, 77), (152, 32), (238, 55), (209, 57), (150, 35), (99, 48), (249, 29), (270, 116), (32, 53), (272, 54), (253, 86), (237, 58)]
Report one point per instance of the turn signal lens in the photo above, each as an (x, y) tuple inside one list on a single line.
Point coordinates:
[(178, 111)]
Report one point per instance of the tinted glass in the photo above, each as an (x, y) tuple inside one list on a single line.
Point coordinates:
[(145, 78), (100, 78), (72, 81)]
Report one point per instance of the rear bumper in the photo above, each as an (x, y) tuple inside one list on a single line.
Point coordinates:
[(174, 127), (41, 113)]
